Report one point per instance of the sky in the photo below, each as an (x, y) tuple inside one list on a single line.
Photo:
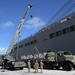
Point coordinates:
[(11, 12)]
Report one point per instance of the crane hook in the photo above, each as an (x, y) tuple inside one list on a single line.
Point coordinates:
[(31, 16)]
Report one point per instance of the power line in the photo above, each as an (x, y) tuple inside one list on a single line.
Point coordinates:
[(59, 11), (67, 11)]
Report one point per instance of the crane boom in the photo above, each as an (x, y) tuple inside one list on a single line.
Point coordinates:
[(17, 32)]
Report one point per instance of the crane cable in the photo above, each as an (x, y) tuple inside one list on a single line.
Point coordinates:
[(58, 12), (67, 11)]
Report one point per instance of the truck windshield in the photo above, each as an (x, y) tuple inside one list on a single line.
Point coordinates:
[(67, 53)]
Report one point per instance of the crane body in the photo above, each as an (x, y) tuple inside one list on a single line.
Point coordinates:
[(9, 60)]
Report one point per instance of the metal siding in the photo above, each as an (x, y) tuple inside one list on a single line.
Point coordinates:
[(62, 42)]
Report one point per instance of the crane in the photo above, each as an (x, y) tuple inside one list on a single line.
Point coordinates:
[(16, 33), (8, 56)]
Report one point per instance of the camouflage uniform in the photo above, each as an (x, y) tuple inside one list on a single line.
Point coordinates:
[(41, 65), (29, 65), (36, 66)]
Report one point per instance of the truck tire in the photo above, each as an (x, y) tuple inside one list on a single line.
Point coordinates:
[(46, 65), (74, 67), (67, 66), (57, 68), (50, 65), (21, 68)]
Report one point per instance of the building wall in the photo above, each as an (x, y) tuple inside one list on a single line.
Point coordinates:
[(44, 41)]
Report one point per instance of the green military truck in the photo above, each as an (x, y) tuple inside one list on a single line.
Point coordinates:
[(61, 59)]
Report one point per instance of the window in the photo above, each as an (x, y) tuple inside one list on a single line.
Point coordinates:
[(35, 41), (52, 35), (32, 42), (58, 33), (25, 44), (29, 43), (72, 28), (59, 54), (66, 30), (67, 53), (15, 48), (20, 46)]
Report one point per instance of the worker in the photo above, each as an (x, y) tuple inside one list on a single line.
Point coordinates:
[(41, 66), (36, 66), (3, 68), (29, 65)]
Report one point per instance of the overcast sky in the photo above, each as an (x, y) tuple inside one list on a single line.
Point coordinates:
[(11, 12)]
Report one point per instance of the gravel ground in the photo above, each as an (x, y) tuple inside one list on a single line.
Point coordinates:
[(45, 72)]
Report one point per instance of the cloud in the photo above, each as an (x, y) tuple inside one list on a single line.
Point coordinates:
[(35, 22), (2, 49), (8, 24)]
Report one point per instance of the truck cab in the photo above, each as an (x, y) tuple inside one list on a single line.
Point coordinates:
[(59, 59), (66, 59), (64, 55)]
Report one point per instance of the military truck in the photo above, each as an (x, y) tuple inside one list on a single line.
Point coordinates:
[(63, 59), (55, 60)]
